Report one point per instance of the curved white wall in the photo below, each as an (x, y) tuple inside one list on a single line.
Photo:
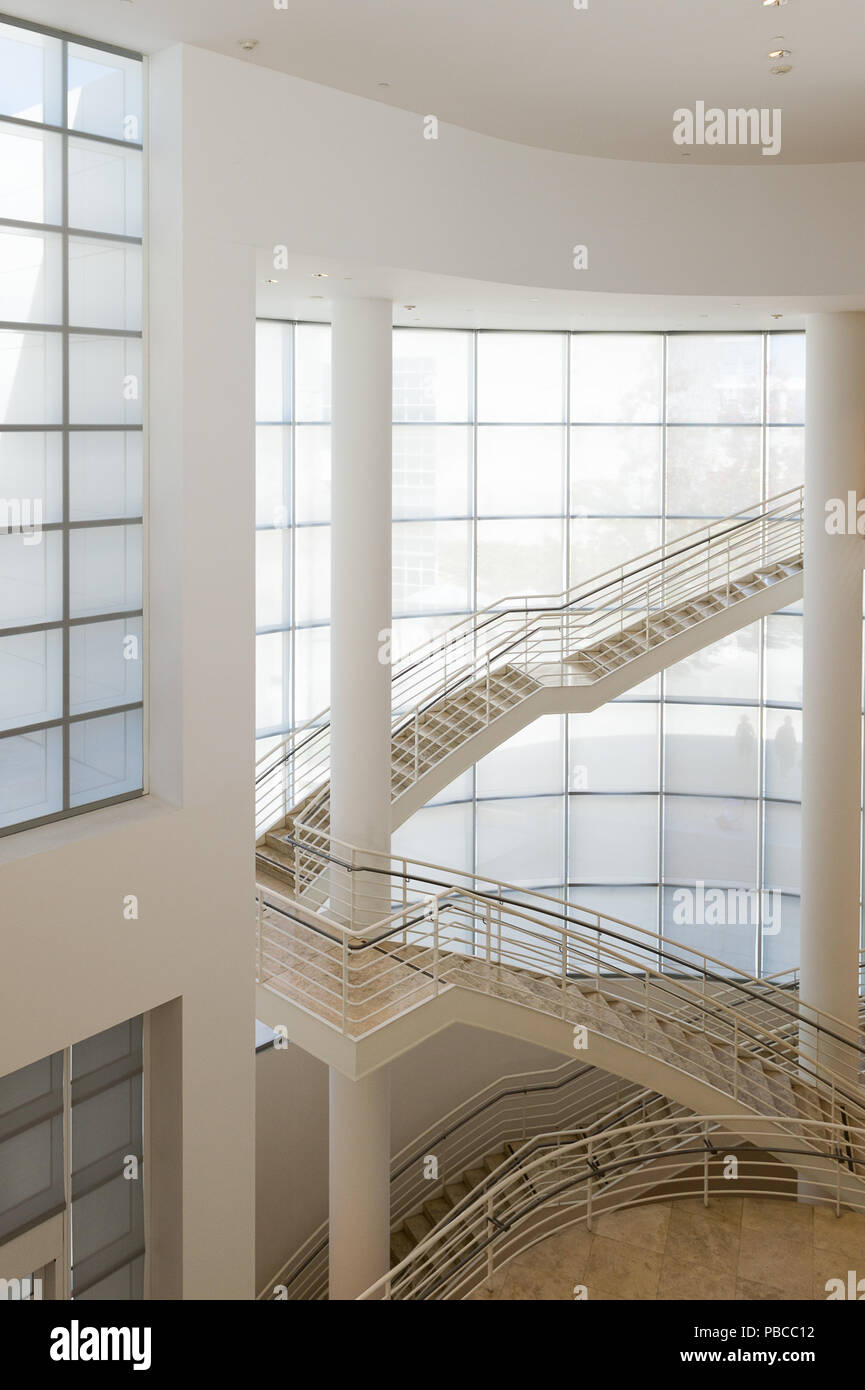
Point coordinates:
[(283, 161)]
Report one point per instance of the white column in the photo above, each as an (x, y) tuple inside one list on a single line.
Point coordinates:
[(362, 356), (359, 1204), (834, 467)]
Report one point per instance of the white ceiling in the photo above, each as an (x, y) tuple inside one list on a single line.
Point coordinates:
[(602, 81)]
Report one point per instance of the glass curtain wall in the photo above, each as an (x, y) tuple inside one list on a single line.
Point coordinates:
[(525, 463), (70, 425)]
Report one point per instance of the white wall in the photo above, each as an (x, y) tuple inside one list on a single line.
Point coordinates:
[(284, 161), (70, 964)]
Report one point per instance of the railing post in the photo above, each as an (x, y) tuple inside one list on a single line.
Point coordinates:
[(488, 687), (589, 1187), (345, 959), (598, 959), (488, 921), (258, 940), (490, 1230), (706, 1165), (435, 946), (416, 764), (736, 1059), (646, 1015)]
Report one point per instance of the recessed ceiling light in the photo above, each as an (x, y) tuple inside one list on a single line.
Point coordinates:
[(777, 316), (247, 44), (774, 2), (781, 69), (384, 84), (271, 282), (319, 275), (779, 53), (316, 296), (409, 306)]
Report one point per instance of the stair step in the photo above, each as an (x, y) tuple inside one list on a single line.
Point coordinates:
[(436, 1209), (400, 1246), (418, 1226)]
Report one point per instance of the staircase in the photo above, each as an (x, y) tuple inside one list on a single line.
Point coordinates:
[(459, 696)]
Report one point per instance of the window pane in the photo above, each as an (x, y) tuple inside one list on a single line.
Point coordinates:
[(104, 665), (312, 369), (31, 391), (615, 749), (780, 932), (31, 276), (712, 472), (431, 566), (519, 557), (521, 377), (431, 470), (104, 284), (532, 762), (311, 672), (105, 757), (521, 470), (785, 388), (783, 847), (273, 475), (521, 840), (785, 449), (30, 75), (31, 678), (727, 670), (272, 578), (614, 839), (312, 573), (31, 578), (272, 680), (104, 381), (272, 371), (30, 186), (616, 377), (714, 922), (714, 379), (437, 835), (710, 838), (104, 188), (599, 544), (312, 473), (105, 474), (104, 93), (31, 776), (31, 471), (431, 375), (104, 570), (616, 471), (784, 659), (784, 754), (711, 749)]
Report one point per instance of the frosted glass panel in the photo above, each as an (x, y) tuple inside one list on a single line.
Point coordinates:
[(785, 451), (104, 284), (726, 670), (30, 378), (30, 184), (726, 928), (30, 578), (312, 372), (714, 379), (104, 757), (614, 749), (432, 373), (614, 839), (431, 470), (710, 838), (519, 557), (104, 570), (712, 472), (272, 372), (781, 932), (784, 754), (784, 659), (31, 775), (105, 384), (522, 841), (273, 475), (104, 93), (616, 377), (312, 473), (783, 847), (273, 578), (104, 665), (437, 835), (521, 470), (521, 377), (272, 664), (785, 388), (600, 543), (431, 566), (311, 672), (104, 188), (312, 573), (711, 749), (31, 472), (630, 904), (105, 474), (30, 75), (616, 470), (31, 678), (31, 276), (531, 762)]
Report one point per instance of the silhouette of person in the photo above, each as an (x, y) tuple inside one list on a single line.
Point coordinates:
[(786, 745), (746, 738)]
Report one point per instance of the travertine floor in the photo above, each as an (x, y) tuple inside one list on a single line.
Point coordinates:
[(736, 1248)]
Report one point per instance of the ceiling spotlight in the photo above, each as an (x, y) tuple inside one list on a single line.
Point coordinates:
[(248, 44), (316, 296), (779, 53), (774, 2), (777, 316), (383, 84), (319, 275), (409, 306), (781, 69), (271, 282)]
